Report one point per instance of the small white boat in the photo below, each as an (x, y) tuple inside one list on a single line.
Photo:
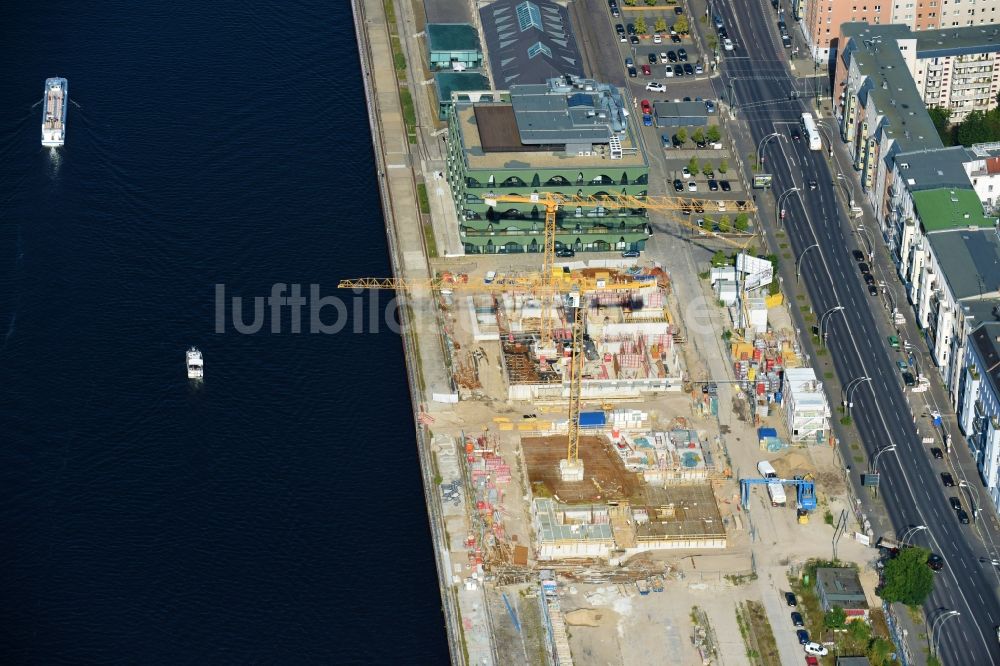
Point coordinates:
[(195, 364)]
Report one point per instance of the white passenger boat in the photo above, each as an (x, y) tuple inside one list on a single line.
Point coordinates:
[(195, 364), (54, 113)]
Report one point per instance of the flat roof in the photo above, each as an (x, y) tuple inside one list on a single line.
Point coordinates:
[(448, 11), (560, 112), (841, 583), (944, 208), (933, 169), (890, 86), (680, 109), (452, 37), (969, 260), (526, 158), (449, 82), (957, 41), (552, 528)]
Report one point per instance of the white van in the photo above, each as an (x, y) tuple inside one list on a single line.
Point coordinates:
[(766, 470)]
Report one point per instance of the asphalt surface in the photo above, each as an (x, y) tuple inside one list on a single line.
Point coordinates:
[(757, 85)]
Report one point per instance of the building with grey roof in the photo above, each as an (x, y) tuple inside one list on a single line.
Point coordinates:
[(680, 114), (448, 11), (529, 41), (569, 135), (979, 402), (840, 587), (956, 287)]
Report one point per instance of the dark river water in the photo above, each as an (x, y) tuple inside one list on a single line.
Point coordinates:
[(274, 514)]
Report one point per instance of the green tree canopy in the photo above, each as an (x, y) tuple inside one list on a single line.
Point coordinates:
[(713, 133), (724, 224), (723, 166), (681, 24), (742, 222), (908, 579), (661, 25), (640, 25), (698, 135), (693, 165), (682, 135), (835, 618)]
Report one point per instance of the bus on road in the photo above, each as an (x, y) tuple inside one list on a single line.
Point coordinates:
[(809, 129)]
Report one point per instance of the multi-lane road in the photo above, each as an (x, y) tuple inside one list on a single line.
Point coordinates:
[(756, 82)]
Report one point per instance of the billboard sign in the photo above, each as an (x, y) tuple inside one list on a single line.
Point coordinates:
[(762, 181)]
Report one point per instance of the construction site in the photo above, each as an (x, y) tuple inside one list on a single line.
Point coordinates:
[(590, 445)]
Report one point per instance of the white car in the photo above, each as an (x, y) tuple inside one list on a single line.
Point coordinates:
[(816, 649), (656, 38), (686, 173), (663, 58), (727, 44), (669, 73), (692, 186), (653, 86)]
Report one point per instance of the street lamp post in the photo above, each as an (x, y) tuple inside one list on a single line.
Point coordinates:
[(849, 390), (762, 145), (863, 232), (778, 212), (938, 622), (822, 333), (798, 261), (972, 498), (847, 190), (878, 454), (911, 530)]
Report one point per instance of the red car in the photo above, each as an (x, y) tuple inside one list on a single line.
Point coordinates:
[(812, 661), (646, 106), (646, 71)]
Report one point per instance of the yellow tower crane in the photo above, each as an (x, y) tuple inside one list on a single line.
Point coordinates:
[(548, 283)]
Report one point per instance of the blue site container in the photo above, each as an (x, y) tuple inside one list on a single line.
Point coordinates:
[(592, 420)]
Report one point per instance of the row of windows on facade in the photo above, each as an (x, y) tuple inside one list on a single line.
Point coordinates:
[(513, 247), (558, 181)]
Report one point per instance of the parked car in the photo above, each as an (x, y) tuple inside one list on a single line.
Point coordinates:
[(797, 619), (671, 56), (803, 636), (669, 72), (863, 268), (963, 517), (678, 70), (713, 185), (664, 59), (790, 600), (646, 71), (816, 649), (633, 39), (955, 503), (872, 290), (630, 28), (698, 69), (686, 173), (688, 69), (646, 106), (724, 184), (908, 378), (692, 186), (647, 120), (678, 185), (633, 72), (947, 480), (810, 660), (565, 252), (858, 255), (651, 58), (675, 38), (727, 44), (629, 62), (682, 55), (894, 342), (937, 453), (678, 10), (631, 254), (710, 106), (654, 86), (657, 38)]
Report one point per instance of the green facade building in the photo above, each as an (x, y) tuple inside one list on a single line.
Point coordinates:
[(570, 136)]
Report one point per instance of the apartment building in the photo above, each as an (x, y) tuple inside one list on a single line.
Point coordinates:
[(821, 19), (979, 403)]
